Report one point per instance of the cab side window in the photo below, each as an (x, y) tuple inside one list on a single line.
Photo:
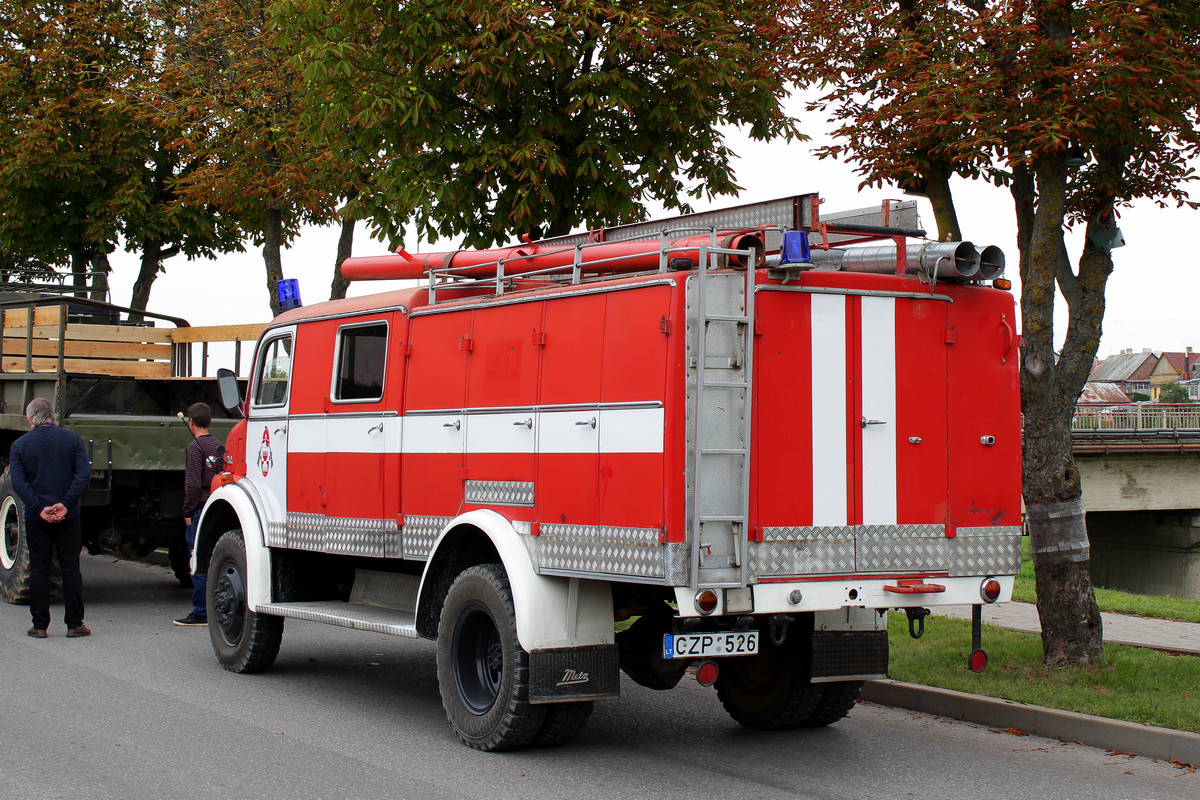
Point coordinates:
[(274, 372), (361, 359)]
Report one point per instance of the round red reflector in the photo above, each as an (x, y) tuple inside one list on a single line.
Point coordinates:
[(706, 673), (989, 590), (977, 661), (706, 601)]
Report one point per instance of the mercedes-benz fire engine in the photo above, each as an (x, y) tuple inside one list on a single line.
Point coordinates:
[(730, 442)]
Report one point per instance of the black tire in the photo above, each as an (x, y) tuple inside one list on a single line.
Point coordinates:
[(14, 550), (177, 551), (837, 698), (563, 723), (483, 672), (769, 691), (244, 640)]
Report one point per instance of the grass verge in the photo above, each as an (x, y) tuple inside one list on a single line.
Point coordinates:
[(1134, 684), (1162, 607)]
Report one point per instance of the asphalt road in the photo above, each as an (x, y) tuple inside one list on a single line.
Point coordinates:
[(142, 709)]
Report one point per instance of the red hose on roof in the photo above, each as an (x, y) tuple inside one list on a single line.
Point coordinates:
[(618, 257)]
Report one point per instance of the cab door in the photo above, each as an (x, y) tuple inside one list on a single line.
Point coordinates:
[(360, 429), (267, 427)]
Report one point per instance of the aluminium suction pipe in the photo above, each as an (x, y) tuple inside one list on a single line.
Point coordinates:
[(617, 257), (946, 259)]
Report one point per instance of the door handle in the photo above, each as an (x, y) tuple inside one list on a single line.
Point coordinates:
[(280, 431), (865, 422), (528, 423), (374, 428), (457, 424), (591, 421)]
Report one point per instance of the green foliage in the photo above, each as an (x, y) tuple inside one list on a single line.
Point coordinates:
[(480, 118), (1015, 90), (81, 164), (226, 94), (1132, 684), (1173, 393), (1138, 397), (66, 150), (984, 85)]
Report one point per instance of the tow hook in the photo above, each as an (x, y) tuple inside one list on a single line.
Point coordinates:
[(916, 621), (778, 628)]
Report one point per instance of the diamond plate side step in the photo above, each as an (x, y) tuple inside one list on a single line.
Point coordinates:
[(348, 615)]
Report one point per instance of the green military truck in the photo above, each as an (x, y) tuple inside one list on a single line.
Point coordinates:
[(121, 387)]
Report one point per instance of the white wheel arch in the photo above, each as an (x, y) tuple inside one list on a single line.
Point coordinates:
[(552, 612), (239, 498)]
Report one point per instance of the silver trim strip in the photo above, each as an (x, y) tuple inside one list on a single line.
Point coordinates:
[(346, 415), (574, 291), (855, 292), (628, 405)]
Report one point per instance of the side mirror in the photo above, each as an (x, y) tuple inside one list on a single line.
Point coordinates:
[(227, 385)]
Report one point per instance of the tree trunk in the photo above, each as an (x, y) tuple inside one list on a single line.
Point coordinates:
[(153, 254), (272, 244), (1072, 632), (81, 260), (100, 271), (937, 185), (337, 289)]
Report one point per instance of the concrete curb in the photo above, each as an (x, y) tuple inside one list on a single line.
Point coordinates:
[(1125, 737)]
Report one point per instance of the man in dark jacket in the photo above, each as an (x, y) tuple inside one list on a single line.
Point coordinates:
[(201, 463), (50, 469)]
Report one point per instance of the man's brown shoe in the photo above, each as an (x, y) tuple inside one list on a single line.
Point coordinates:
[(75, 633), (37, 633)]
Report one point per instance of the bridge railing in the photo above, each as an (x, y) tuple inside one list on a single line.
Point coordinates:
[(1136, 417)]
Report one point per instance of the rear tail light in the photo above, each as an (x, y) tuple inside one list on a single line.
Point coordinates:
[(989, 590), (706, 601)]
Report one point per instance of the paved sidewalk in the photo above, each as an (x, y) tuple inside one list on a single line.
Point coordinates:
[(1158, 634)]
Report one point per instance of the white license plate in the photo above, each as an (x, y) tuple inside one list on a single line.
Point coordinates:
[(709, 645)]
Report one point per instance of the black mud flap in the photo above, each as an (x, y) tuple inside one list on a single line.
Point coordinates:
[(849, 655), (576, 673)]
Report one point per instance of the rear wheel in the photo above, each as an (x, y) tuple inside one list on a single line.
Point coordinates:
[(563, 723), (14, 552), (770, 691), (483, 672), (837, 699), (244, 640)]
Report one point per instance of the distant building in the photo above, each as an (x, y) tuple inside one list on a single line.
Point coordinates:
[(1127, 370), (1103, 394), (1173, 368)]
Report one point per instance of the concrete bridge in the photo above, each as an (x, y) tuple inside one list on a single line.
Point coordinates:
[(1140, 467)]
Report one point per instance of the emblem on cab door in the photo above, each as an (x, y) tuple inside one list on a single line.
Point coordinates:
[(265, 459)]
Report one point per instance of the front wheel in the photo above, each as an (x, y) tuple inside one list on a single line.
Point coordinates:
[(483, 672), (244, 640)]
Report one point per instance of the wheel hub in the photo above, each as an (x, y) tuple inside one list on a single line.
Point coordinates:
[(229, 600), (478, 658), (10, 521)]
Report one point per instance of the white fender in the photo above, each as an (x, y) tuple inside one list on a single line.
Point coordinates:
[(552, 612), (242, 498)]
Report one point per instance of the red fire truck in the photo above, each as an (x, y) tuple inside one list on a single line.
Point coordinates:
[(729, 442)]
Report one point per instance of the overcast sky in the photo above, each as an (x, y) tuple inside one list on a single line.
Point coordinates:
[(1151, 295)]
